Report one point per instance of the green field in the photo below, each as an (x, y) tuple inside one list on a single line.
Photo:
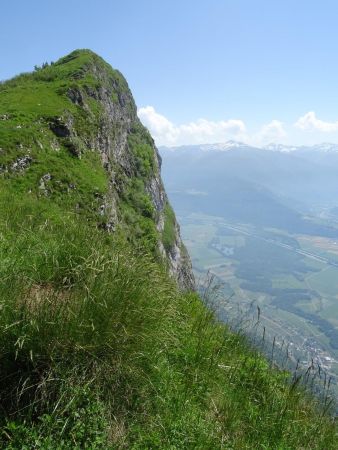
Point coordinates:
[(290, 288), (325, 281)]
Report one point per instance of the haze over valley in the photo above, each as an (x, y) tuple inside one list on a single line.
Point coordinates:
[(264, 222)]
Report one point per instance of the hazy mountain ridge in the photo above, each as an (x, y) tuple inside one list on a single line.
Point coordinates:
[(325, 147), (290, 183)]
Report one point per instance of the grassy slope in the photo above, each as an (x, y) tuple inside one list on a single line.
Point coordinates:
[(30, 102), (98, 349)]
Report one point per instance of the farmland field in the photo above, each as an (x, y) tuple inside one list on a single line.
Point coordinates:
[(293, 279)]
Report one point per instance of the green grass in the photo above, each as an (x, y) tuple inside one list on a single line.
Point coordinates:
[(169, 230), (98, 347), (325, 281), (99, 350), (31, 102)]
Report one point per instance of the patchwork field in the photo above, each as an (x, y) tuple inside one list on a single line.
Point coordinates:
[(319, 243), (296, 291)]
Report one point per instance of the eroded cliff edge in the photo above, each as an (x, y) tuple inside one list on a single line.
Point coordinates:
[(81, 106)]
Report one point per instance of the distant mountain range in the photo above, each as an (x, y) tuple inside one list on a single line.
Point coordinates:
[(325, 147), (278, 185)]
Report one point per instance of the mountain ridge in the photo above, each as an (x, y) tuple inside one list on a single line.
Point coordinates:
[(231, 145), (288, 175), (99, 347), (94, 114)]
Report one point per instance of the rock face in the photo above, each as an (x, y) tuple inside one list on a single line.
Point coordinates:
[(99, 116)]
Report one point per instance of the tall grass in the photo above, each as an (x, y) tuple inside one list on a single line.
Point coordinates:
[(98, 349)]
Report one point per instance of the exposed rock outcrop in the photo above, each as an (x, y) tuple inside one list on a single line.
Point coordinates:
[(111, 127)]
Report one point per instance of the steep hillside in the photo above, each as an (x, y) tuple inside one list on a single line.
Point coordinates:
[(99, 348), (69, 132)]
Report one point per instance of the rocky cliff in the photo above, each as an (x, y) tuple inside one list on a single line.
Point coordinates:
[(98, 347), (81, 111)]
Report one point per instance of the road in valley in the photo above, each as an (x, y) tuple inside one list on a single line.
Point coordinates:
[(300, 251)]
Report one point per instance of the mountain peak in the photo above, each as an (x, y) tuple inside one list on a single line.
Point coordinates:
[(69, 131), (280, 147), (223, 146)]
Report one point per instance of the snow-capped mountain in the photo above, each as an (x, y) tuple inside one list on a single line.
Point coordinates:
[(223, 146), (281, 148), (232, 145), (324, 147)]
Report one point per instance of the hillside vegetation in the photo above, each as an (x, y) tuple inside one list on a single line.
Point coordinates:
[(99, 348)]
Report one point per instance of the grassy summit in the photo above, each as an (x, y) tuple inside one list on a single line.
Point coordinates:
[(69, 131), (98, 347)]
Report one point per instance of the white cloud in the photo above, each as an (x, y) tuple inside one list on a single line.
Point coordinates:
[(201, 131), (204, 131), (159, 126), (310, 122), (272, 132)]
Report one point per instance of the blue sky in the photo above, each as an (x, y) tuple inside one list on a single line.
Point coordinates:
[(200, 71)]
